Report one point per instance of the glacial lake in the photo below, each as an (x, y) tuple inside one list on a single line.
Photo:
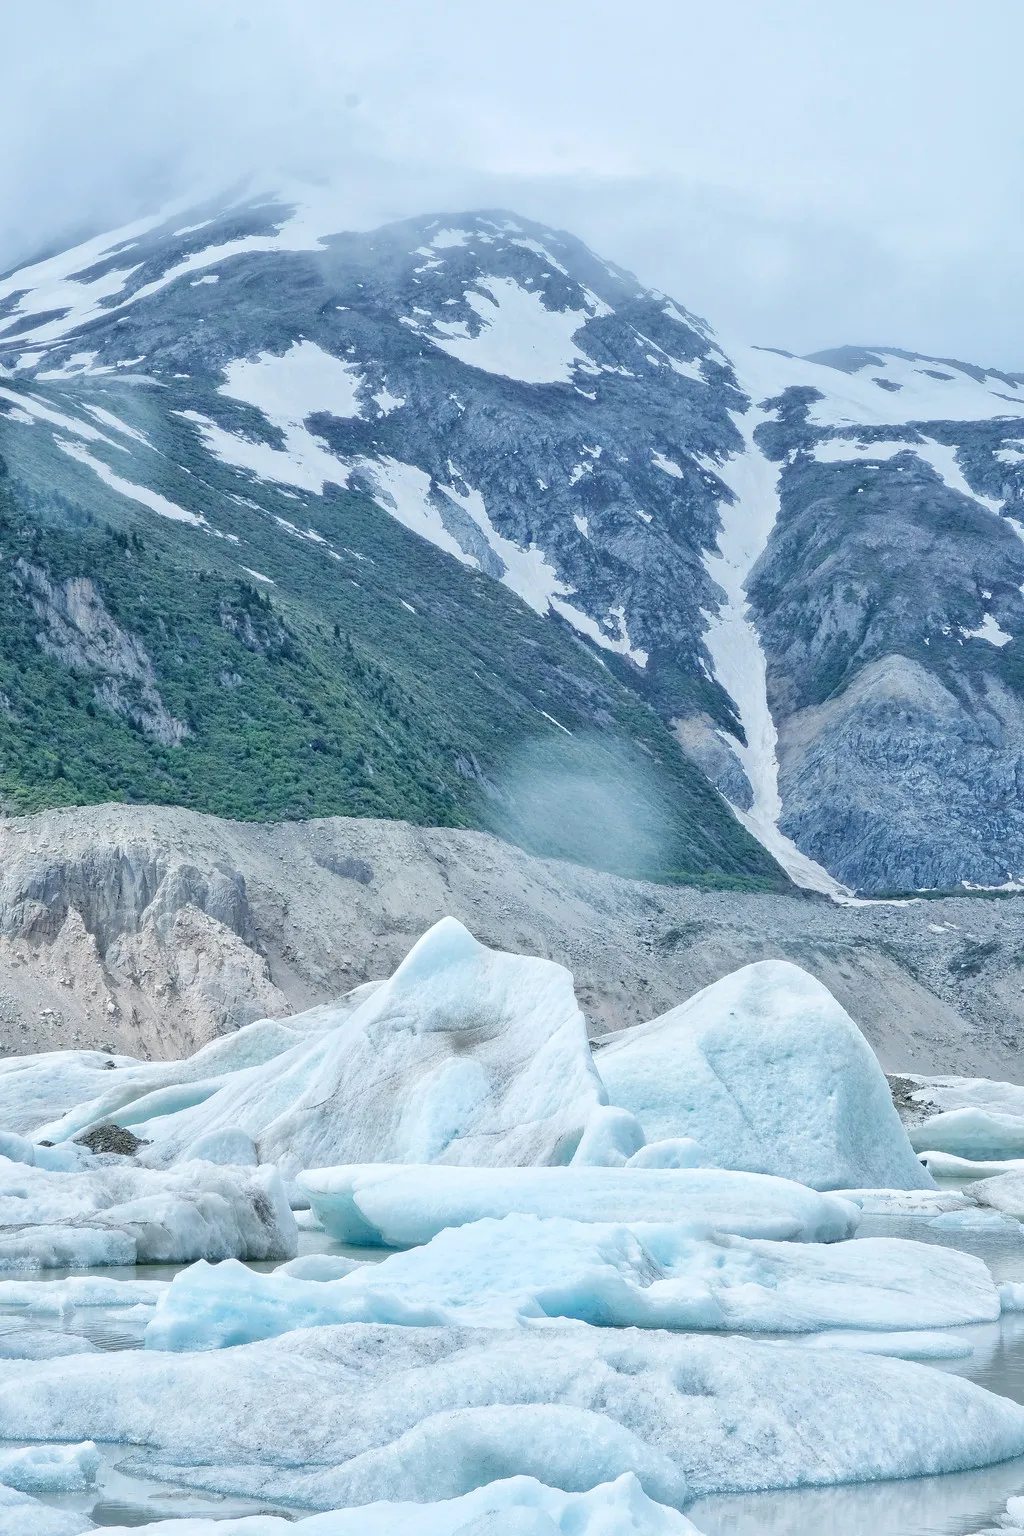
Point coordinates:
[(952, 1505)]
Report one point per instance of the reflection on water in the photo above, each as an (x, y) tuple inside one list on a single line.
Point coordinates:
[(920, 1506), (121, 1499)]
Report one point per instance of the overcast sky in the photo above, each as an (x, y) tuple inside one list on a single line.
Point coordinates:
[(802, 172)]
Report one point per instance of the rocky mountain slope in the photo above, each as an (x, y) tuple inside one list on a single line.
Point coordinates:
[(151, 930), (456, 522)]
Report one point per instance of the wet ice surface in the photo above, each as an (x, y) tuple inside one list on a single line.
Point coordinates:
[(118, 1499), (951, 1505)]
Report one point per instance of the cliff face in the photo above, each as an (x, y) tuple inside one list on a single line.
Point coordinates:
[(153, 930)]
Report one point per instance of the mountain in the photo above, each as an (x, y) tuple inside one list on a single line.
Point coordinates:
[(455, 522)]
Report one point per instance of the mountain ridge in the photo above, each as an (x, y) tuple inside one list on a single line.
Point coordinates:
[(683, 518)]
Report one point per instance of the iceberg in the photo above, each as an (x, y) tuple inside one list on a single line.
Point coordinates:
[(401, 1205), (127, 1215), (466, 1055), (329, 1417), (497, 1273), (769, 1074)]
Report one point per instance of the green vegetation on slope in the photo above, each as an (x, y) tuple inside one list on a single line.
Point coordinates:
[(382, 679)]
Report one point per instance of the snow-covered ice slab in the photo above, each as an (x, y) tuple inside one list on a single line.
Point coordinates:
[(49, 1468), (52, 1298), (1004, 1193), (37, 1091), (770, 1074), (496, 1273), (516, 1506), (400, 1205), (912, 1345), (946, 1165), (908, 1202), (466, 1055), (332, 1417), (971, 1132), (23, 1515), (125, 1215)]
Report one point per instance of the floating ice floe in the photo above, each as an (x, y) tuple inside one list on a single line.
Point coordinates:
[(124, 1215), (1004, 1193), (466, 1055), (23, 1515), (401, 1205), (974, 1220), (911, 1345), (1012, 1521), (49, 1468), (53, 1298), (908, 1202), (971, 1132), (978, 1119), (498, 1273), (516, 1506), (332, 1417), (946, 1165), (769, 1074)]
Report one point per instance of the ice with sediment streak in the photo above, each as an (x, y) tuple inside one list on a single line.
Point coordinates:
[(332, 1417), (770, 1074), (466, 1055), (402, 1205), (496, 1273)]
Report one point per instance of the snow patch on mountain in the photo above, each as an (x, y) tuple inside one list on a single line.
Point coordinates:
[(518, 337), (407, 493), (989, 630), (304, 381), (32, 409), (885, 389), (140, 493), (736, 652), (305, 461), (61, 297)]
